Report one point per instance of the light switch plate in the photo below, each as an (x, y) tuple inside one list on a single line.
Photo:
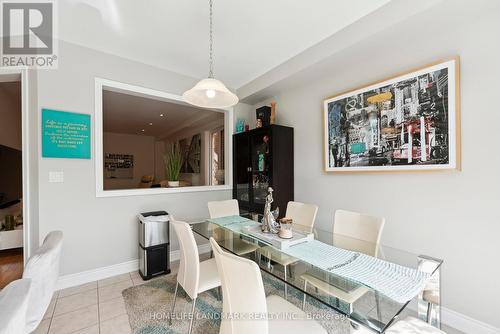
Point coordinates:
[(56, 177)]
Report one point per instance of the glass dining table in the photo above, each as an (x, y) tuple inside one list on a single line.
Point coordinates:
[(370, 285)]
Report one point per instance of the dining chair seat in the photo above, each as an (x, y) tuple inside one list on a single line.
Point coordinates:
[(272, 254), (240, 247), (330, 289), (412, 325), (277, 306), (431, 296), (209, 276)]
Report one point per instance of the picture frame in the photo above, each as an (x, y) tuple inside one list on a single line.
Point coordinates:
[(375, 127)]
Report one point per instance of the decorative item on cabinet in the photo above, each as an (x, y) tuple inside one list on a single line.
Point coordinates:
[(258, 123), (240, 125), (273, 113), (264, 114), (263, 158)]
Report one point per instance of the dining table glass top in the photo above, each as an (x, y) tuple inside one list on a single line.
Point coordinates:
[(368, 283)]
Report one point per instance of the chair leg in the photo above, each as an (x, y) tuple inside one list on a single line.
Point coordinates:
[(377, 301), (286, 285), (173, 303), (305, 296), (429, 312), (219, 293), (192, 316)]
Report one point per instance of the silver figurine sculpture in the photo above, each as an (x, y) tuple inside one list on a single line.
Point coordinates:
[(269, 224)]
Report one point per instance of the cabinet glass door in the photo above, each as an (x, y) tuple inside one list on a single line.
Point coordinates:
[(261, 165), (242, 170)]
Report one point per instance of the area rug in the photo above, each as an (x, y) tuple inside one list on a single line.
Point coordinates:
[(148, 308)]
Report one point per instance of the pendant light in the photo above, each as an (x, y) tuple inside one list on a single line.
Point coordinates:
[(210, 92)]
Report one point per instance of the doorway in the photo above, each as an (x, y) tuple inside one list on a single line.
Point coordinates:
[(14, 233)]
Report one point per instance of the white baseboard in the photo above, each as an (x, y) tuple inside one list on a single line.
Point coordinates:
[(92, 275), (450, 318), (466, 324)]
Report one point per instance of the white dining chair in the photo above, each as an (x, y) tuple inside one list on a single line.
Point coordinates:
[(356, 226), (219, 209), (193, 276), (302, 214), (244, 296), (43, 270), (412, 325), (13, 306)]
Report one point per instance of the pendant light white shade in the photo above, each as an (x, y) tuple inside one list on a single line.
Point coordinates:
[(210, 93)]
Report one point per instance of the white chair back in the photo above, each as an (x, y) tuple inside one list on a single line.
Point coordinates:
[(189, 265), (242, 291), (361, 227), (302, 213), (13, 305), (227, 208), (43, 269)]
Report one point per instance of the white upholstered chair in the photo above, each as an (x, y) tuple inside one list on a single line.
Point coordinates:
[(193, 276), (43, 270), (219, 209), (412, 325), (13, 306), (243, 294), (364, 233), (302, 214)]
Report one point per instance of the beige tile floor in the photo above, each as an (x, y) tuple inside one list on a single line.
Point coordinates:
[(98, 307), (92, 308)]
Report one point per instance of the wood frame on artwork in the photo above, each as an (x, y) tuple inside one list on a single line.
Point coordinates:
[(396, 157)]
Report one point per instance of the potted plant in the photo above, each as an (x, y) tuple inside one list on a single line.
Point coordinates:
[(173, 164)]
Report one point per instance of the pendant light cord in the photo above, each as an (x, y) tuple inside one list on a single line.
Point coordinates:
[(211, 42)]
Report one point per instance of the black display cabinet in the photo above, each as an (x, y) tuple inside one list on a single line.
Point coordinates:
[(263, 157)]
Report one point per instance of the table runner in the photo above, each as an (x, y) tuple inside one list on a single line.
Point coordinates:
[(233, 223), (397, 282)]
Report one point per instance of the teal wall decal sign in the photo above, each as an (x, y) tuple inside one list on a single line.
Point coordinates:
[(65, 135)]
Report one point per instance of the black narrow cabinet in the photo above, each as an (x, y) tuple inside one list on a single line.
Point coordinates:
[(263, 157)]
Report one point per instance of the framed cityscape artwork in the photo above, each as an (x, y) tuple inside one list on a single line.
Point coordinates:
[(408, 122)]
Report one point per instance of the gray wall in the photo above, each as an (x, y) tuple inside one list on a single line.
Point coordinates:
[(451, 215), (100, 232)]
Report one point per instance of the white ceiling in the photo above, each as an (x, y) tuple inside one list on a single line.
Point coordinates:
[(251, 36), (130, 114)]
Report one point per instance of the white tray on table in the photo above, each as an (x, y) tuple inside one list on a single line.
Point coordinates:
[(274, 240)]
